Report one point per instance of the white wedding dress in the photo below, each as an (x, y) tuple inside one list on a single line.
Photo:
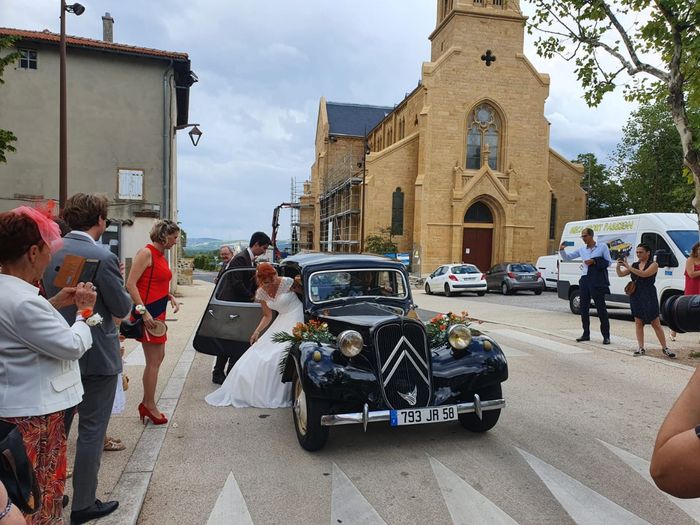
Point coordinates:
[(255, 381)]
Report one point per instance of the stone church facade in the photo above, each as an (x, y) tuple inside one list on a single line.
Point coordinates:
[(461, 169)]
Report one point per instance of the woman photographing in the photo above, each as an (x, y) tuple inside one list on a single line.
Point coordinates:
[(643, 301), (39, 352)]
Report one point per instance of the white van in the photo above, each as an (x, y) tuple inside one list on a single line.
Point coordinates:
[(548, 266), (674, 233)]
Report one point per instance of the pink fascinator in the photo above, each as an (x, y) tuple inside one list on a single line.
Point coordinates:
[(48, 229)]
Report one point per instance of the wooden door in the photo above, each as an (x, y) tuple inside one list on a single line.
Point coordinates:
[(476, 247)]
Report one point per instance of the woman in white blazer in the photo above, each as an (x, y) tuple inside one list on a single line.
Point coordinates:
[(39, 370)]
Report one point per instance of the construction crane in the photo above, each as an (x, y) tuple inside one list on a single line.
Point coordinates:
[(276, 255)]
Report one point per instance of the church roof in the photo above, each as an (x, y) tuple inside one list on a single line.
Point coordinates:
[(354, 120)]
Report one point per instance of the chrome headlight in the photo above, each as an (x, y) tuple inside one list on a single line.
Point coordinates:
[(459, 336), (350, 343)]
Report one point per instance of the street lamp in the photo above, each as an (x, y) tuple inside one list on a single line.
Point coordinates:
[(195, 133), (76, 9)]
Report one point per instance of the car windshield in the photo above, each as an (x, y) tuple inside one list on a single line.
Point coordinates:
[(464, 268), (331, 285), (684, 239), (522, 268)]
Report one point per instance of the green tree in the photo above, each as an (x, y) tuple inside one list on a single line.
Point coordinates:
[(620, 44), (6, 136), (649, 162), (605, 196), (381, 243)]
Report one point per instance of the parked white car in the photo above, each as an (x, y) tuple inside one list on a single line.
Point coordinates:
[(548, 266), (452, 279)]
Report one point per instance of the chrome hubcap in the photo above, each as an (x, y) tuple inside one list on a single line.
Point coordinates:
[(300, 406)]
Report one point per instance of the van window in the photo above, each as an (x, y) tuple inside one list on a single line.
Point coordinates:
[(657, 242), (684, 239)]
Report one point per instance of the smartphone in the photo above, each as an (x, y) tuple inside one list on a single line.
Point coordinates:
[(76, 269), (568, 243), (89, 271)]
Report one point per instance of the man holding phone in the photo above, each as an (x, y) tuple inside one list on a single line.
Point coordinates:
[(594, 282), (86, 214)]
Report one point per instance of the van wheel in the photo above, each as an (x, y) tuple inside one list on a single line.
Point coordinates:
[(505, 289), (427, 289), (575, 302)]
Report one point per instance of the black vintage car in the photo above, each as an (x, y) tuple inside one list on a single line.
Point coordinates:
[(382, 366)]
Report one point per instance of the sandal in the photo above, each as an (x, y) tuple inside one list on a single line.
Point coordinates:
[(113, 444), (668, 353), (638, 352)]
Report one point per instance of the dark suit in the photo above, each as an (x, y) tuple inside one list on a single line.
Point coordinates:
[(595, 285), (100, 365), (238, 287)]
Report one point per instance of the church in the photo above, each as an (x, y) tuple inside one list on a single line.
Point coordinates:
[(461, 169)]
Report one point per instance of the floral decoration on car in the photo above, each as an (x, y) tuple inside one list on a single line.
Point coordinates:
[(437, 327), (313, 331)]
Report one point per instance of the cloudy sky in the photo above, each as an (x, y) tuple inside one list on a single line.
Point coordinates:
[(263, 66)]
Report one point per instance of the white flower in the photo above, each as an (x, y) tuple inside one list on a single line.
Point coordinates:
[(140, 309), (94, 320)]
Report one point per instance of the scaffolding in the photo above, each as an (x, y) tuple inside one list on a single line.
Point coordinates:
[(340, 216)]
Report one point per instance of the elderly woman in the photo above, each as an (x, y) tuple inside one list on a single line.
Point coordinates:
[(149, 287), (39, 351)]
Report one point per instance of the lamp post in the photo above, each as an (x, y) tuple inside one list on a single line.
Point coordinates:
[(76, 9)]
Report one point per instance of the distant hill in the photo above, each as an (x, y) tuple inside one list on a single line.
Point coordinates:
[(207, 244)]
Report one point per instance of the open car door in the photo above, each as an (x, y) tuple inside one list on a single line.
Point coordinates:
[(230, 317)]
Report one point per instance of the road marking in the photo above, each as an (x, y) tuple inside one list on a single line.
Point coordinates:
[(466, 504), (230, 507), (541, 342), (584, 505), (348, 505), (690, 506)]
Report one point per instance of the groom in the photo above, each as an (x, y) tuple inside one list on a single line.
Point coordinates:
[(239, 287)]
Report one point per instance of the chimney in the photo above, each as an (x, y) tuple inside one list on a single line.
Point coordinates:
[(107, 28)]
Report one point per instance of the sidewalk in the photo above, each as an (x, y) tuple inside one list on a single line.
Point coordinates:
[(125, 475)]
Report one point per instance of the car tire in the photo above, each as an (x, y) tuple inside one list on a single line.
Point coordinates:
[(427, 289), (448, 292), (307, 414), (575, 302), (538, 292), (505, 289), (480, 294), (489, 418)]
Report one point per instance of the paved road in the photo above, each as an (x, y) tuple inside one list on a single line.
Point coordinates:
[(572, 446)]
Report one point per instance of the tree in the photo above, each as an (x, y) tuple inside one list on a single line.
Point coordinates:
[(649, 162), (605, 196), (381, 243), (6, 136), (617, 44)]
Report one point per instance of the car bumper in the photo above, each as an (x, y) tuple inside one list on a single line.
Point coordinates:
[(476, 407), (476, 287)]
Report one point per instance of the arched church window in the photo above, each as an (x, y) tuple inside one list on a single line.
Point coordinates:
[(483, 137), (397, 212), (480, 213)]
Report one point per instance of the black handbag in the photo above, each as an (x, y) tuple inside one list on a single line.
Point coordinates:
[(16, 471), (134, 329)]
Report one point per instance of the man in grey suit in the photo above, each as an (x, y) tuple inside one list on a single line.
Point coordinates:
[(86, 214)]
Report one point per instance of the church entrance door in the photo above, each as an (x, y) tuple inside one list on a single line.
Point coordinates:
[(476, 247)]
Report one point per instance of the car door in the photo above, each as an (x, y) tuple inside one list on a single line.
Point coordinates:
[(493, 279), (230, 317)]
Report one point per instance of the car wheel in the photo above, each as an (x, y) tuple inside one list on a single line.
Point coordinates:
[(480, 294), (505, 289), (538, 292), (575, 302), (489, 418), (307, 414), (448, 292), (427, 289)]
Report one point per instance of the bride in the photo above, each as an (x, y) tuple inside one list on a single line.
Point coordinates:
[(254, 381)]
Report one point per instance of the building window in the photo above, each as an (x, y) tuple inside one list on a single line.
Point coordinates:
[(28, 58), (478, 213), (483, 137), (397, 212), (553, 218)]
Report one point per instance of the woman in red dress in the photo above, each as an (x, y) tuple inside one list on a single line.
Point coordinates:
[(149, 286), (692, 276)]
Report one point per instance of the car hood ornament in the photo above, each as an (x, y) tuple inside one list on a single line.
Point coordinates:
[(411, 397)]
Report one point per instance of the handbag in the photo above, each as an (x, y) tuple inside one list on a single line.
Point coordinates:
[(134, 329), (630, 287), (16, 471)]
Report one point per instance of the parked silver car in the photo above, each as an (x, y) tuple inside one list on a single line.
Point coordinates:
[(451, 279), (514, 277)]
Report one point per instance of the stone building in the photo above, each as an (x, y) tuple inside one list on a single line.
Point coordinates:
[(461, 169)]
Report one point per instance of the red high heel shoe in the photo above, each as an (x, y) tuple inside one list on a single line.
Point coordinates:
[(145, 413)]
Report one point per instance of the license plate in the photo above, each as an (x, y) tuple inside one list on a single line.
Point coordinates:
[(419, 416)]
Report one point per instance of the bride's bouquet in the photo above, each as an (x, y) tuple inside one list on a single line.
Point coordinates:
[(437, 327), (313, 331)]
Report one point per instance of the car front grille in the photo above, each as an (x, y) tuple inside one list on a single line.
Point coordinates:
[(403, 358)]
